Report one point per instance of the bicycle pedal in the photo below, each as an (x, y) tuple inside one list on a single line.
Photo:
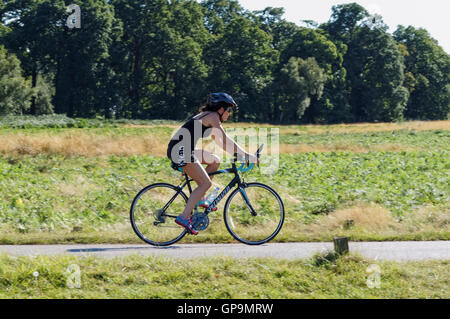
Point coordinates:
[(189, 232)]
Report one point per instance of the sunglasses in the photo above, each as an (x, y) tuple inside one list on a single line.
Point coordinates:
[(229, 109)]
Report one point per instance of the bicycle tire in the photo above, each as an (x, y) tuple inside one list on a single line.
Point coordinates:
[(231, 225), (138, 230)]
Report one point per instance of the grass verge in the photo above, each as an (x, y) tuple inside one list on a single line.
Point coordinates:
[(361, 222), (323, 276)]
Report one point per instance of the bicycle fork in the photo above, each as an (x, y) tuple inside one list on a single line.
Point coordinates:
[(247, 201)]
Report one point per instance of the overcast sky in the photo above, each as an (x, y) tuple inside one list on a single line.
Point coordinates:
[(433, 15)]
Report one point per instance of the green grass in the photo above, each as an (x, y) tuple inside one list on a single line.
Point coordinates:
[(49, 196), (419, 140), (56, 198), (62, 121), (323, 276), (401, 182)]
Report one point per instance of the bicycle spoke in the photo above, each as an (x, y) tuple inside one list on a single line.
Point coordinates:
[(245, 226), (149, 214)]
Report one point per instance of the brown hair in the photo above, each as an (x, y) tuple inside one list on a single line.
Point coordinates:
[(206, 107)]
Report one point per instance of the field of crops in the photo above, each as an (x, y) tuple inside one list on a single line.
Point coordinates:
[(74, 184)]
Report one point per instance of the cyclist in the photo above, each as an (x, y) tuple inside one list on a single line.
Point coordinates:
[(182, 153)]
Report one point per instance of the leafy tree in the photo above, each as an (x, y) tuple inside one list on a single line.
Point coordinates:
[(374, 64), (3, 32), (242, 60), (31, 37), (129, 53), (159, 58), (76, 60), (428, 74), (15, 91), (83, 61), (163, 63), (344, 21), (178, 60), (42, 95), (300, 81), (329, 56), (272, 23), (220, 13), (376, 76)]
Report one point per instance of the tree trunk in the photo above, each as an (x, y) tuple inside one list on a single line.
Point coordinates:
[(136, 80), (33, 110)]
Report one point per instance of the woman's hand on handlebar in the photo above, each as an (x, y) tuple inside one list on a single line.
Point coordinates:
[(251, 158), (247, 158)]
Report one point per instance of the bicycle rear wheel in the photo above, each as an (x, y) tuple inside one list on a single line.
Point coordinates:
[(153, 213), (254, 214)]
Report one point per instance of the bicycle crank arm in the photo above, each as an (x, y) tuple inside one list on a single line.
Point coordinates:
[(173, 216), (165, 226)]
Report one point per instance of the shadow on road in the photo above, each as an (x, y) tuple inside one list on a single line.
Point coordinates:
[(105, 249)]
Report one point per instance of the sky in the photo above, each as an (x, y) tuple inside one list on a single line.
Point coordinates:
[(433, 15)]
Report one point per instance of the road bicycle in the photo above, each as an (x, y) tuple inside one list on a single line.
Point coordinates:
[(253, 212)]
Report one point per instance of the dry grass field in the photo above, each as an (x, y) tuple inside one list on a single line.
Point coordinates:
[(153, 139)]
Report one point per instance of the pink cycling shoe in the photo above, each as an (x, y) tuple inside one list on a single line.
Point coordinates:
[(186, 223)]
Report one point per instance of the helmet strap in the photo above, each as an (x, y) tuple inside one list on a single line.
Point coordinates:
[(220, 116)]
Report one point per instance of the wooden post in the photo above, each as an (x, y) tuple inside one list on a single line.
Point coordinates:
[(341, 245)]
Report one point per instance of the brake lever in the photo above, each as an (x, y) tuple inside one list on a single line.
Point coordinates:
[(258, 154), (235, 157)]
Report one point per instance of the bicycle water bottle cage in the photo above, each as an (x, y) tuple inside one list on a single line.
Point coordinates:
[(202, 204)]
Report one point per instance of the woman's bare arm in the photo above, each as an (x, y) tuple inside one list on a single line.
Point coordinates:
[(220, 136)]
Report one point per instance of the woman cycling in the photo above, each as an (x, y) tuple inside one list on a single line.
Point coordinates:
[(181, 149)]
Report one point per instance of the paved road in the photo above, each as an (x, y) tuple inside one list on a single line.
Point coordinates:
[(400, 251)]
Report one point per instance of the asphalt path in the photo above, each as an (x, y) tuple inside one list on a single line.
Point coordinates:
[(398, 251)]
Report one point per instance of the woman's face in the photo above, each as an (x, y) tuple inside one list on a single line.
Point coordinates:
[(226, 113)]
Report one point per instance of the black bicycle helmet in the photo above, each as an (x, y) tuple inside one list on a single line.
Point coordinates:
[(217, 100)]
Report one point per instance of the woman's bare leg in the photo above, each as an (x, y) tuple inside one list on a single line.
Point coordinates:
[(200, 176), (211, 160)]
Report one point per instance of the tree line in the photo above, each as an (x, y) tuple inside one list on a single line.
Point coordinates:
[(158, 59)]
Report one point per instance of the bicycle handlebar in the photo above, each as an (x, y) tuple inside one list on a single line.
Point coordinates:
[(241, 168), (249, 166)]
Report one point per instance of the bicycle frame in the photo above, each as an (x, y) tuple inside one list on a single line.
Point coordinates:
[(200, 219), (236, 180)]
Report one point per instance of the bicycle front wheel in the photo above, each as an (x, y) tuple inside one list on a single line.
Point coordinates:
[(153, 214), (254, 214)]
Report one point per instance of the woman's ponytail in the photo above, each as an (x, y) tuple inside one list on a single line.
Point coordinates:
[(206, 107)]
